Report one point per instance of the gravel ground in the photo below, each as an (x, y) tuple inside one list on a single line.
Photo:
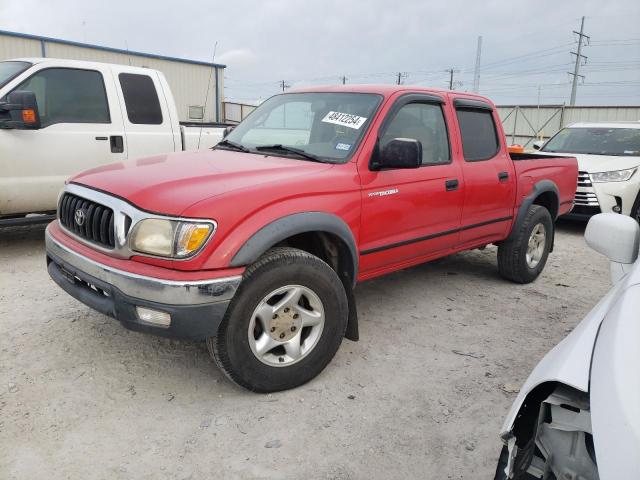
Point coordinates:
[(444, 346)]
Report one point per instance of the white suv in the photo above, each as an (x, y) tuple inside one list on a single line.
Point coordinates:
[(608, 159)]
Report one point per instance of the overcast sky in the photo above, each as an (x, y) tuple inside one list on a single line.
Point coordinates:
[(525, 50)]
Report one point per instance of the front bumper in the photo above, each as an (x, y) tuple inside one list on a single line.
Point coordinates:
[(196, 307), (593, 198)]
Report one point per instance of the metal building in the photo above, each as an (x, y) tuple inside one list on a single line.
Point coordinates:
[(189, 79)]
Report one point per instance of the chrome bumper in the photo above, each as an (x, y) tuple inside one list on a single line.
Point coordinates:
[(169, 292)]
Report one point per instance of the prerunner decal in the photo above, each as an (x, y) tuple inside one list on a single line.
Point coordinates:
[(345, 119)]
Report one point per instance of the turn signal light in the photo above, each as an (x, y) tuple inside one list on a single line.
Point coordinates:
[(29, 116)]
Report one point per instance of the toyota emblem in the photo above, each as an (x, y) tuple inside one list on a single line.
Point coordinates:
[(80, 217)]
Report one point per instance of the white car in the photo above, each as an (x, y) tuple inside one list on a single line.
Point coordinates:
[(608, 158), (577, 416)]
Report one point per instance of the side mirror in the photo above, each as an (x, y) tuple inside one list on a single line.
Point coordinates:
[(228, 130), (398, 153), (538, 144), (617, 237), (23, 111)]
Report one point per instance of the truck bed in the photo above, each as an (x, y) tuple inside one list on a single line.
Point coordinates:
[(533, 167), (199, 136)]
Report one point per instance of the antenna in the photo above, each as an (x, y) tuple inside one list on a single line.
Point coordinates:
[(128, 55), (206, 95)]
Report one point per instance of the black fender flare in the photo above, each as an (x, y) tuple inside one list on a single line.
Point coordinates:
[(539, 188), (294, 224)]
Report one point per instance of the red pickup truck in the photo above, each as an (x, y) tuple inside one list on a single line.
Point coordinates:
[(257, 245)]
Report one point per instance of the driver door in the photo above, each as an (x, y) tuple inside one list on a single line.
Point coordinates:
[(81, 128), (409, 215)]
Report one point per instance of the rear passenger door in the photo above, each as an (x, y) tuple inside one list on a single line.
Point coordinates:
[(488, 173), (146, 117), (411, 214)]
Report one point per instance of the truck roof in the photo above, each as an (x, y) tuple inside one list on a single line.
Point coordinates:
[(385, 90), (72, 63)]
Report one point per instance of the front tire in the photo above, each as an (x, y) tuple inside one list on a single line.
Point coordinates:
[(523, 256), (285, 323)]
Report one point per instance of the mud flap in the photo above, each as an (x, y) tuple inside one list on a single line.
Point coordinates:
[(352, 332)]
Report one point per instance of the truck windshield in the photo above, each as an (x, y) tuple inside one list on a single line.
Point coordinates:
[(596, 141), (320, 126), (10, 70)]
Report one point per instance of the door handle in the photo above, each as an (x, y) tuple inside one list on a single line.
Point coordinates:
[(503, 176), (102, 138), (451, 184), (117, 143)]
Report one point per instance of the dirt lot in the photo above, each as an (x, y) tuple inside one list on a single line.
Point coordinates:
[(83, 398)]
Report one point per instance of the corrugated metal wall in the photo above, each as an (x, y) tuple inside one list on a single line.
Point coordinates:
[(188, 81), (524, 124), (11, 47), (236, 112)]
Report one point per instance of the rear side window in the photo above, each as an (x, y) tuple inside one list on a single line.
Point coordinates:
[(140, 99), (479, 134), (69, 95)]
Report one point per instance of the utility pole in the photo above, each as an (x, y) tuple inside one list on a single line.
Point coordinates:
[(400, 76), (284, 85), (451, 71), (579, 56), (476, 71), (344, 80)]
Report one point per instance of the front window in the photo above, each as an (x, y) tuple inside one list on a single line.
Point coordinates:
[(327, 126), (68, 95), (596, 141), (10, 70)]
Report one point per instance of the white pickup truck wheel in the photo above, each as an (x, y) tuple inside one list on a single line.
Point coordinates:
[(285, 323), (523, 256)]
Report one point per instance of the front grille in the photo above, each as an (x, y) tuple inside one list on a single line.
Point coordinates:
[(584, 180), (587, 199), (87, 219)]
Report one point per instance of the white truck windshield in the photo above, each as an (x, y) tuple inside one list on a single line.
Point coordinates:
[(10, 70)]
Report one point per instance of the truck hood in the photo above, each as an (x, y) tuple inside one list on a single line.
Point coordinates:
[(601, 163), (169, 184)]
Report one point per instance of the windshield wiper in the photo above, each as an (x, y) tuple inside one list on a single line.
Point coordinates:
[(234, 145), (297, 151)]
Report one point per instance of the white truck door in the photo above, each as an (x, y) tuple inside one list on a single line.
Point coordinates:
[(147, 119), (81, 128)]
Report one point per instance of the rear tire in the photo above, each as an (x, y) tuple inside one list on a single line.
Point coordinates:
[(256, 343), (522, 257)]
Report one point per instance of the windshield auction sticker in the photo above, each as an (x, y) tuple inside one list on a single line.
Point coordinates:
[(345, 119)]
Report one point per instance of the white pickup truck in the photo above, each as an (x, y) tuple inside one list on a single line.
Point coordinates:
[(58, 117)]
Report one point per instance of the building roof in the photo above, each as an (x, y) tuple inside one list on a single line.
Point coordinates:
[(108, 49)]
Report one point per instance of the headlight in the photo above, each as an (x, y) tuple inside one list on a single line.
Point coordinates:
[(169, 238), (615, 176)]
